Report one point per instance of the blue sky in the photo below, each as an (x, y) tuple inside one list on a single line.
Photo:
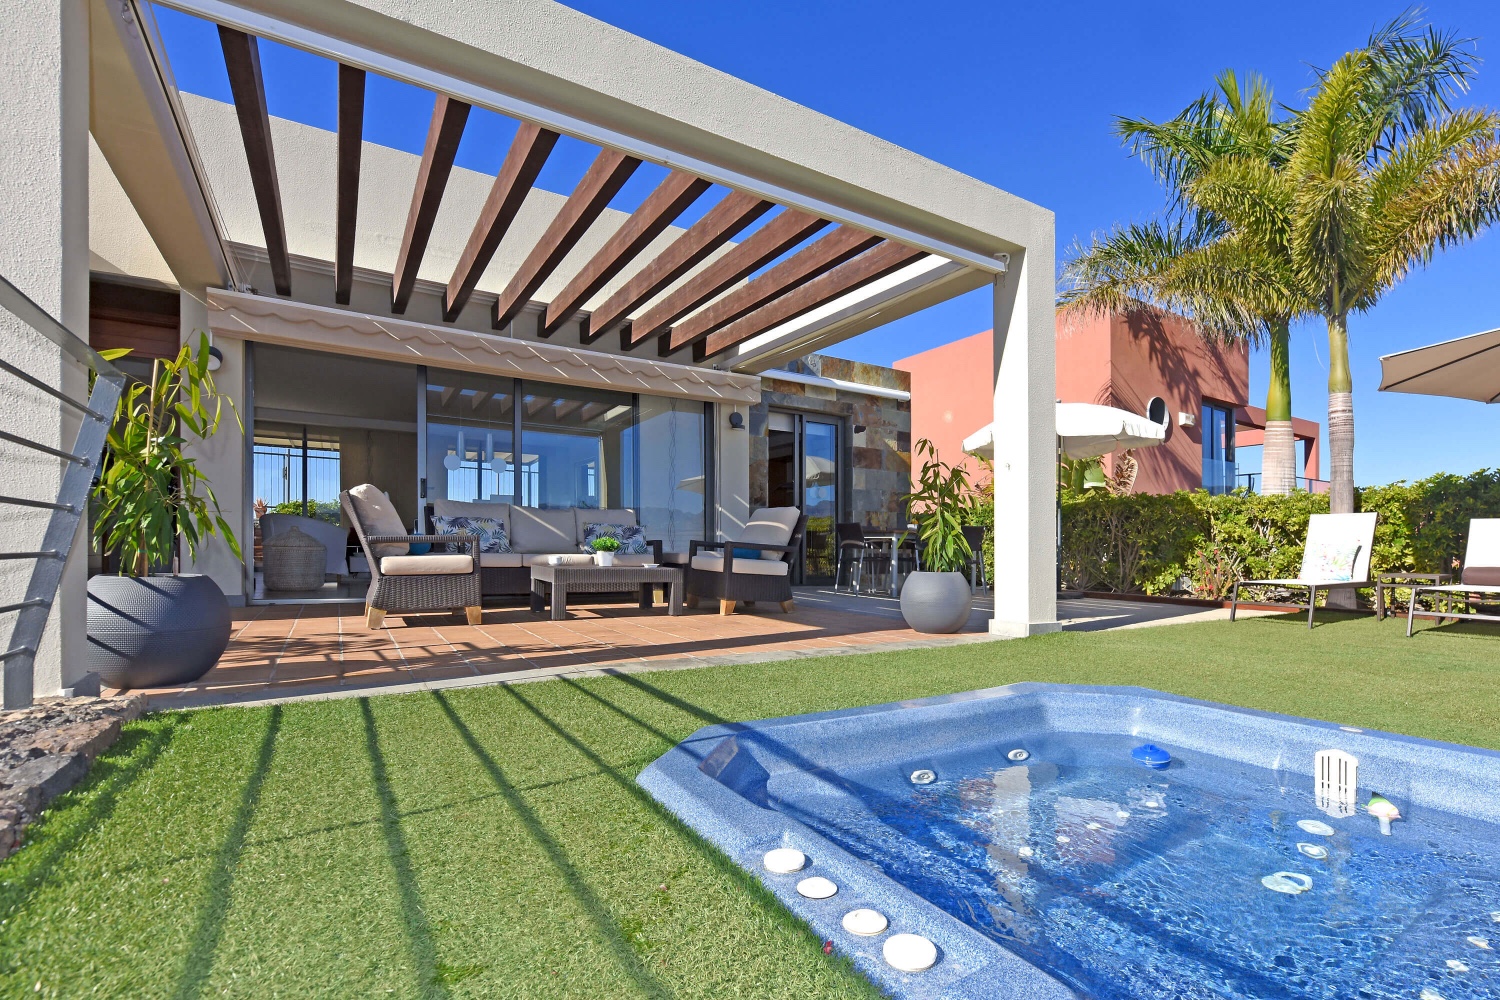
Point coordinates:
[(1021, 96)]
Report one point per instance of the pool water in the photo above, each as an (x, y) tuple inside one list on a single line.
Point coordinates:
[(1127, 883)]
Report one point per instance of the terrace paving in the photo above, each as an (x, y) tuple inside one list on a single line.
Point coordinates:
[(304, 651)]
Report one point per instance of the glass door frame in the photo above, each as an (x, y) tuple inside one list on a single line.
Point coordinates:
[(800, 419)]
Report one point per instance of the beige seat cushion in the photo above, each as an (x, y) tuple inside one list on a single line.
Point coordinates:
[(713, 563), (535, 530), (471, 508), (771, 526), (588, 515), (377, 516), (501, 560), (432, 565)]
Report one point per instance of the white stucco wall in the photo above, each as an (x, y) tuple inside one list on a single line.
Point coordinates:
[(119, 242), (44, 77)]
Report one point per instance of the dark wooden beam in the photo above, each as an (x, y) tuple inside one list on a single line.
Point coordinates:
[(536, 403), (760, 248), (351, 144), (671, 197), (872, 265), (821, 257), (523, 162), (591, 410), (242, 59), (606, 175), (444, 132), (568, 408), (718, 226)]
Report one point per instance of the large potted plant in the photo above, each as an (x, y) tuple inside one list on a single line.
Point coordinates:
[(152, 625), (936, 598)]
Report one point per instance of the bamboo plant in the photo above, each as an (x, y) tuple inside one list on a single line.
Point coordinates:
[(150, 490), (938, 506)]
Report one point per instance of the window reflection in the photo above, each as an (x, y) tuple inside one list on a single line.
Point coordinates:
[(576, 444), (469, 437)]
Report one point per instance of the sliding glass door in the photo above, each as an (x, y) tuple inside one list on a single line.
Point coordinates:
[(803, 470)]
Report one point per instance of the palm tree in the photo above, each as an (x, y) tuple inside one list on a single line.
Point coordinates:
[(1193, 264), (1382, 174)]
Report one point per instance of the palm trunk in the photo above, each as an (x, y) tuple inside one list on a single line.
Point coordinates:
[(1279, 456), (1340, 420), (1340, 436)]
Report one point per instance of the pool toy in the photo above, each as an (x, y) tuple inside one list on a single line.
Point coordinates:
[(1384, 810)]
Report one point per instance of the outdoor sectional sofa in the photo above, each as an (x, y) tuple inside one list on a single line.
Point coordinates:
[(536, 534)]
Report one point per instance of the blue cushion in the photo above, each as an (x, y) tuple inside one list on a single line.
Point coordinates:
[(420, 548), (746, 554)]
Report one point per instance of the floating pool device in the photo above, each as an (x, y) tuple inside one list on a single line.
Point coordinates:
[(1288, 883), (1336, 778), (1429, 994), (1152, 756), (1457, 966), (1483, 944), (785, 860), (909, 952), (923, 777), (1384, 810), (1017, 755), (865, 923), (816, 887), (1316, 827)]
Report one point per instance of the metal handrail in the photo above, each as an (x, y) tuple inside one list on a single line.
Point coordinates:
[(68, 508)]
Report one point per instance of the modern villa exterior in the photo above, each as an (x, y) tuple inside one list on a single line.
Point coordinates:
[(648, 337), (1154, 364)]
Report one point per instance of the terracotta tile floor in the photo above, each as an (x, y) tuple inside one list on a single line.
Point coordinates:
[(310, 650)]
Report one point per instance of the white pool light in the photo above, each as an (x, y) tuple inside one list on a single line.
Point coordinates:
[(1025, 851), (1316, 827), (923, 777), (1289, 883), (785, 860), (816, 887), (909, 952), (865, 923), (1315, 851), (1017, 755)]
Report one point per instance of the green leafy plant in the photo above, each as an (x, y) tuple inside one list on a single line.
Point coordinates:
[(942, 503), (150, 490), (606, 544), (323, 510)]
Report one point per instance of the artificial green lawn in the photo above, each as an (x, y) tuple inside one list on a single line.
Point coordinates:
[(491, 842)]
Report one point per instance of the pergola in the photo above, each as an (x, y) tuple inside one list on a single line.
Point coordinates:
[(818, 231)]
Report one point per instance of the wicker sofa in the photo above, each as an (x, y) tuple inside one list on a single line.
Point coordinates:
[(535, 534)]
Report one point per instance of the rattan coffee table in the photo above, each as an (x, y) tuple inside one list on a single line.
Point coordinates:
[(564, 580)]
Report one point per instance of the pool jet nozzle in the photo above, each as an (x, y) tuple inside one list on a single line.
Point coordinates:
[(1384, 810)]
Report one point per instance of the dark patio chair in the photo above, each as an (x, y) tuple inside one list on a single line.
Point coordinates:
[(402, 583), (734, 572)]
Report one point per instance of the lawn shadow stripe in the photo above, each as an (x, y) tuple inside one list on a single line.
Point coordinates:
[(209, 928), (603, 921), (710, 852), (419, 940)]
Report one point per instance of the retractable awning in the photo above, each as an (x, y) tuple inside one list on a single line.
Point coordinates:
[(1466, 368)]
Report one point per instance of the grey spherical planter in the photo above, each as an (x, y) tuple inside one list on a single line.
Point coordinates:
[(936, 602), (155, 631)]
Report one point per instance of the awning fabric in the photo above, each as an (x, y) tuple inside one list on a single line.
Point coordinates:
[(1084, 430), (1466, 368)]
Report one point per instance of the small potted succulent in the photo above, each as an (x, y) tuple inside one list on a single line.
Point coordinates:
[(152, 625), (937, 597), (604, 550)]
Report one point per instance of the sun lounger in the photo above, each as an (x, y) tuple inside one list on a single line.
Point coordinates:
[(1481, 578), (1336, 557)]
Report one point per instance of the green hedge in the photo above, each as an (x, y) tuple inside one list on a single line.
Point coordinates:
[(1199, 543)]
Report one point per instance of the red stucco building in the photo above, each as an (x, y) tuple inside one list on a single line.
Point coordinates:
[(1139, 363)]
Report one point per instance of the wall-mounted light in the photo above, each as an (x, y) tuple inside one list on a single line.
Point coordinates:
[(215, 359), (736, 420)]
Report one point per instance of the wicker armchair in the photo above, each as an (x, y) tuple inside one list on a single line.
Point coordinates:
[(714, 573), (407, 584)]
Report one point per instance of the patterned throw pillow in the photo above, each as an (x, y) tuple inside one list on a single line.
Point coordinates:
[(1330, 563), (632, 538), (491, 531)]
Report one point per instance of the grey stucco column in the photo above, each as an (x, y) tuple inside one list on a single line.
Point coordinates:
[(44, 155), (1025, 434)]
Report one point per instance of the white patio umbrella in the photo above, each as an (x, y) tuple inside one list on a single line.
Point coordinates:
[(1466, 368), (1085, 430)]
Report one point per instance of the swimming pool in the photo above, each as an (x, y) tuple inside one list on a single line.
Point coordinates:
[(1043, 861)]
